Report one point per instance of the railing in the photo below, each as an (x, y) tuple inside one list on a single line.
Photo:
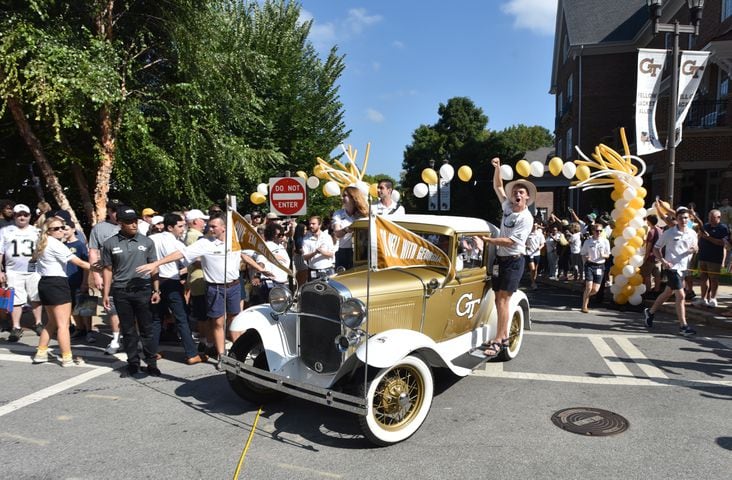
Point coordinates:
[(707, 114)]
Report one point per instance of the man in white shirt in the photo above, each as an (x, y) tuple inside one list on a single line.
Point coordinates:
[(386, 204), (511, 247), (680, 243), (17, 244), (171, 288), (318, 250), (595, 251)]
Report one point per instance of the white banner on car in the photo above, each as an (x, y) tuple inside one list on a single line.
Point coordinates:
[(691, 72), (650, 67)]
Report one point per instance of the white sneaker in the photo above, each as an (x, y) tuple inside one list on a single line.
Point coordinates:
[(712, 303), (111, 348), (40, 357), (73, 362), (700, 302)]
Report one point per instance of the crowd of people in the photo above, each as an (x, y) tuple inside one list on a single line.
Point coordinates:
[(160, 276)]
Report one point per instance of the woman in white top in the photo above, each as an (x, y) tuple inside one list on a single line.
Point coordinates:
[(51, 256), (354, 206), (575, 245)]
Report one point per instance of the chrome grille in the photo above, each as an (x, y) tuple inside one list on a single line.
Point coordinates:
[(317, 335)]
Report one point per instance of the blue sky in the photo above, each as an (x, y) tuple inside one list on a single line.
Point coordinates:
[(405, 57)]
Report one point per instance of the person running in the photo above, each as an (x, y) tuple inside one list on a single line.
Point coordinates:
[(595, 251), (534, 244), (680, 243), (511, 247), (52, 255)]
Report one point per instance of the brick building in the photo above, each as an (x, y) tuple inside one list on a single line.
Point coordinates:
[(594, 81)]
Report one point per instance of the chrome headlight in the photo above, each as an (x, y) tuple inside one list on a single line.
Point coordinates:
[(353, 313), (280, 299)]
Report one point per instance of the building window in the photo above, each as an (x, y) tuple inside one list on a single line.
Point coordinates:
[(723, 83), (560, 104), (726, 9), (570, 89), (570, 144)]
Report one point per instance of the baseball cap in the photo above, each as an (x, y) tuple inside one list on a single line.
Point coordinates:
[(195, 214), (148, 212), (126, 214), (272, 215), (156, 219), (21, 207)]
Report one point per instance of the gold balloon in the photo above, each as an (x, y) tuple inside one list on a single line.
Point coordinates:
[(319, 172), (635, 202), (373, 190), (583, 173), (616, 195), (555, 166), (429, 176), (641, 192), (257, 198), (465, 173), (302, 174), (523, 168)]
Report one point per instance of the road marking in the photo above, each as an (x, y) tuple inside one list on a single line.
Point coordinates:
[(605, 380), (54, 389), (32, 441), (309, 470), (102, 397), (641, 360), (611, 359)]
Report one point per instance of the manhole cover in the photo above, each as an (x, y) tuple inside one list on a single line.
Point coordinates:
[(590, 421)]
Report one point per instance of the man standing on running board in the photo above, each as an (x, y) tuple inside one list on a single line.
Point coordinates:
[(680, 243), (516, 225)]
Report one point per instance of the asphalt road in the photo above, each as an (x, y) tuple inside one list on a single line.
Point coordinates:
[(91, 423)]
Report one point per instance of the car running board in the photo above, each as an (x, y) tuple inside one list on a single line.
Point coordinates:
[(472, 359)]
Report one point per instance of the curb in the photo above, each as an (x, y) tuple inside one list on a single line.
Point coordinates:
[(693, 314)]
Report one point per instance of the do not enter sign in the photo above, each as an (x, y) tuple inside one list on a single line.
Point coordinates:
[(287, 196)]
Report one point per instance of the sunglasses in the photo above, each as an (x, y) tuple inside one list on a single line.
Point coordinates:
[(22, 214), (56, 229)]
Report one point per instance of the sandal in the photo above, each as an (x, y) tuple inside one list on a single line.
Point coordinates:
[(494, 348)]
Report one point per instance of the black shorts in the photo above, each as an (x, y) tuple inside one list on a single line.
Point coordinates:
[(674, 280), (510, 271), (594, 272), (54, 290)]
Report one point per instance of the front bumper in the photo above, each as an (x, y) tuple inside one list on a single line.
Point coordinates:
[(306, 391)]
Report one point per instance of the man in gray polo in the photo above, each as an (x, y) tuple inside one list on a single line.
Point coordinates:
[(133, 293)]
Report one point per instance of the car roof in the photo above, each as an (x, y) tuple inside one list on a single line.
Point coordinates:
[(459, 224)]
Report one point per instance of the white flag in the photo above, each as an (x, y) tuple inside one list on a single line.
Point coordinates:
[(650, 67), (692, 68)]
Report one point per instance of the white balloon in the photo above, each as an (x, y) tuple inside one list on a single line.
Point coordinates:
[(616, 250), (420, 190), (636, 222), (628, 233), (263, 188), (629, 193), (363, 187), (569, 169), (395, 196), (621, 203), (636, 261), (615, 213), (642, 212), (620, 280), (640, 289), (447, 172), (313, 182), (636, 181), (537, 168), (506, 172), (615, 288), (628, 271), (332, 188), (635, 300)]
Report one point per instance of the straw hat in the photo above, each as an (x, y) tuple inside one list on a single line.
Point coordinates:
[(524, 183)]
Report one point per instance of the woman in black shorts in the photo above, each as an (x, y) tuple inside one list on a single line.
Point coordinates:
[(52, 255)]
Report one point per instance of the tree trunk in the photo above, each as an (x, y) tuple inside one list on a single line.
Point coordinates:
[(34, 145), (83, 187)]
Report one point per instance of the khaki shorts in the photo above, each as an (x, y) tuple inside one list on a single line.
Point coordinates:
[(651, 266), (25, 285), (711, 269)]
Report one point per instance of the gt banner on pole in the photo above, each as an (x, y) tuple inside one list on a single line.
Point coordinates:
[(242, 236), (692, 68), (650, 66), (393, 246)]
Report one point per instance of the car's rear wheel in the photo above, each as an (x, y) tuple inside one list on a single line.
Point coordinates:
[(515, 334), (399, 399), (249, 349)]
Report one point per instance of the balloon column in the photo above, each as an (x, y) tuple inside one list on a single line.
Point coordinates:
[(612, 170), (447, 173)]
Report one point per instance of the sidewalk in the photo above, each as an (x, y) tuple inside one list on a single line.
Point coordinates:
[(721, 316)]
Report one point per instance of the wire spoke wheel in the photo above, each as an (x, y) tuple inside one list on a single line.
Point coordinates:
[(515, 334)]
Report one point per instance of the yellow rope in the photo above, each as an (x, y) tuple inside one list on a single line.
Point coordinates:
[(246, 447)]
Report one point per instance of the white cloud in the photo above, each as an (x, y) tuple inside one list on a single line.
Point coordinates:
[(375, 66), (374, 115), (358, 19), (536, 15), (321, 34), (398, 44)]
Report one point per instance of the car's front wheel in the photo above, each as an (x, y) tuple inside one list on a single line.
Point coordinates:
[(399, 399), (249, 349), (515, 334)]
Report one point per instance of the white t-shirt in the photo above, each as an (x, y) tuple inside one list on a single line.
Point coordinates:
[(595, 250), (678, 247), (516, 226), (575, 243), (379, 208), (165, 244), (52, 263), (341, 219), (311, 243), (17, 246), (534, 243), (281, 254), (213, 257)]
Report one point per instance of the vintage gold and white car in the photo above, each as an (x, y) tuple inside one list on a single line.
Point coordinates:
[(367, 341)]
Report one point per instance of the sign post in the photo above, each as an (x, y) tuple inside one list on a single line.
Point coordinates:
[(288, 196)]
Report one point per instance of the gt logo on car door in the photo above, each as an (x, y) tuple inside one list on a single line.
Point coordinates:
[(466, 305)]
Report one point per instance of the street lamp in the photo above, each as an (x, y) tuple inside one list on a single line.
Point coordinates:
[(655, 8)]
